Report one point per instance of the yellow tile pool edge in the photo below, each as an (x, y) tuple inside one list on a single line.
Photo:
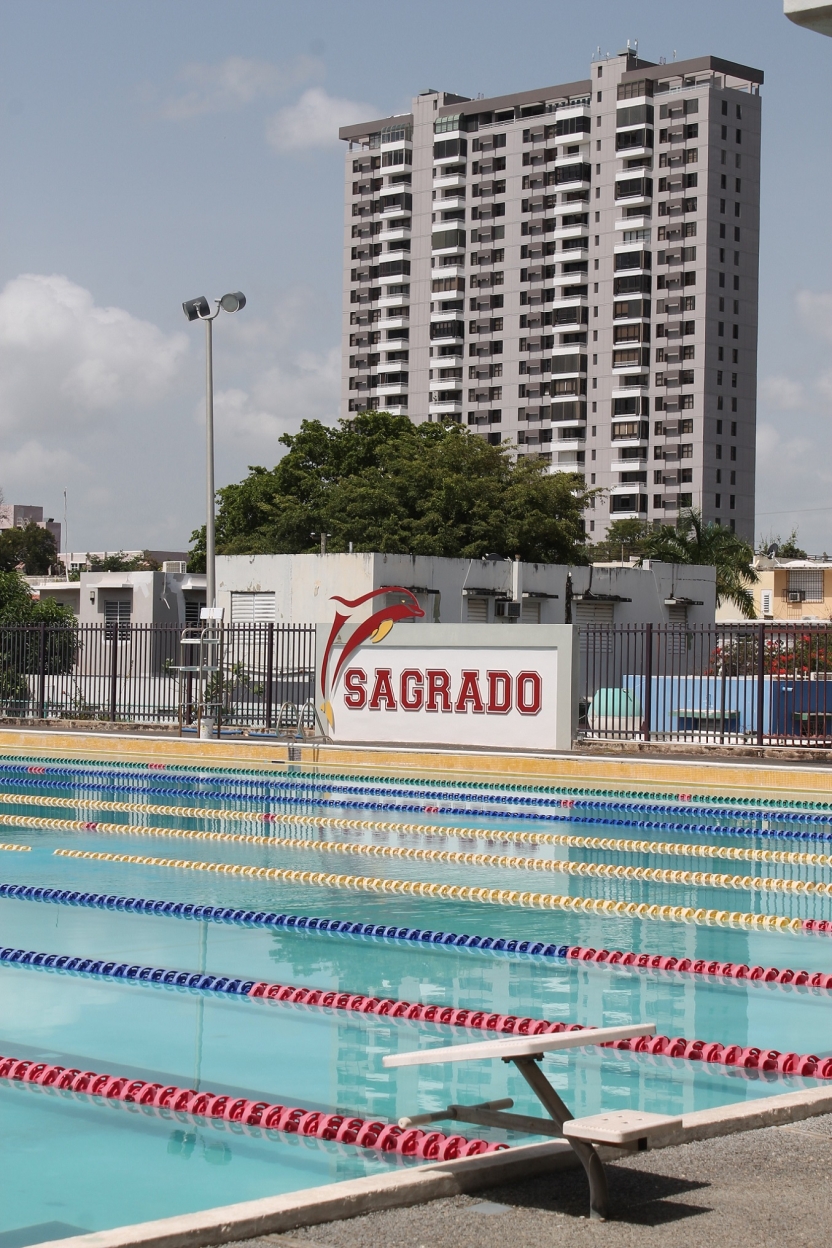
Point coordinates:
[(729, 777)]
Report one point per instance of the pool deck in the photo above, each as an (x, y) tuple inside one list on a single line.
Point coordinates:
[(741, 777), (764, 1189)]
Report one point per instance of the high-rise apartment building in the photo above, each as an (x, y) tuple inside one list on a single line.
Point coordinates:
[(571, 270)]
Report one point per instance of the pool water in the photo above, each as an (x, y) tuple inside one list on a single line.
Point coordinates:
[(331, 1059)]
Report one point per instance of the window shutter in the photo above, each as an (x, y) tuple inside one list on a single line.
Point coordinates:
[(252, 608)]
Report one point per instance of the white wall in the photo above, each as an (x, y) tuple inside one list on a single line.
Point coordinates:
[(304, 586), (649, 587)]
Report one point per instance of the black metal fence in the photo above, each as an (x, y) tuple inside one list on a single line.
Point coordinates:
[(129, 673), (760, 684)]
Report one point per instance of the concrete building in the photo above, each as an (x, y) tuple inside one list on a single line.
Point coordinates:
[(17, 516), (790, 590), (813, 14), (571, 270), (128, 597), (298, 589)]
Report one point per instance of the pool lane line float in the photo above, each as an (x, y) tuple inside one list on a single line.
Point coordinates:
[(134, 972), (11, 848), (545, 817), (681, 849), (594, 820), (469, 858), (458, 892), (344, 1128), (750, 1058), (507, 792), (592, 870), (346, 927)]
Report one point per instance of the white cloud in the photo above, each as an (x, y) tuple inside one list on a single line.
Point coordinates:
[(62, 355), (33, 461), (301, 386), (233, 83), (782, 393), (314, 120), (815, 311)]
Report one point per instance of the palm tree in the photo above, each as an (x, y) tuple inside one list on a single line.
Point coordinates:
[(693, 541)]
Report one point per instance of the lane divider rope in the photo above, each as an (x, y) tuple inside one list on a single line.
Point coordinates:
[(708, 829), (344, 1128), (762, 807), (346, 927), (749, 1057), (10, 847), (459, 892), (591, 870), (731, 853)]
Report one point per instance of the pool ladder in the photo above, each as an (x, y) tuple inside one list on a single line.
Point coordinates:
[(199, 693)]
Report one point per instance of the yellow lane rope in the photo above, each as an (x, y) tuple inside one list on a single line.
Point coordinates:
[(462, 892), (594, 870), (15, 849), (728, 853)]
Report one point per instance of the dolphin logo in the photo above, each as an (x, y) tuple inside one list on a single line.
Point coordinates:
[(376, 627)]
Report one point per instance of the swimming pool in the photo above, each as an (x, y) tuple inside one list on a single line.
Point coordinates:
[(140, 907)]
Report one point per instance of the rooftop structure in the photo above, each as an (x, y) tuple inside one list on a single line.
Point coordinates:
[(813, 14)]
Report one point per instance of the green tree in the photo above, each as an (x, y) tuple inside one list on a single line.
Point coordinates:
[(29, 547), (20, 647), (693, 541), (624, 538), (786, 549), (120, 563), (386, 484)]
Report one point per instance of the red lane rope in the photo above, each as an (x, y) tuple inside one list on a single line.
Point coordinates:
[(750, 1058), (730, 970), (343, 1128)]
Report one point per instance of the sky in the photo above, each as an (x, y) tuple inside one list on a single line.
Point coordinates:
[(155, 151)]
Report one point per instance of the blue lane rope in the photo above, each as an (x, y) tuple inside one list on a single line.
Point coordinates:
[(261, 919), (500, 794), (124, 970)]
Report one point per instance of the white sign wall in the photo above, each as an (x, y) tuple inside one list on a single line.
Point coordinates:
[(456, 695)]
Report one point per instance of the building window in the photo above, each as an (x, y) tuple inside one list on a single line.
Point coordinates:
[(807, 581)]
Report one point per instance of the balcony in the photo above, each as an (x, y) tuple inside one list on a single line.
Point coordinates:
[(445, 409), (571, 301), (449, 180), (451, 199), (395, 232)]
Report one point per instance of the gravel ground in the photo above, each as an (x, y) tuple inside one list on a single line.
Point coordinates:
[(764, 1189)]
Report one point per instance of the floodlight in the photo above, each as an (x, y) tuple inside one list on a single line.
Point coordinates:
[(233, 302), (197, 308)]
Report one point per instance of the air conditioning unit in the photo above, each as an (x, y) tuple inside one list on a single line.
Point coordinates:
[(175, 565), (796, 595)]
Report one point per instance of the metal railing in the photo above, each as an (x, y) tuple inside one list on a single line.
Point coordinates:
[(127, 673), (759, 684)]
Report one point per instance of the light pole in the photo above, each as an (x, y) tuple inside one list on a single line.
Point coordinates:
[(199, 309)]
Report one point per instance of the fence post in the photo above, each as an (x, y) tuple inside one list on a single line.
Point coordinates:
[(648, 680), (114, 672), (41, 669), (269, 674), (761, 668)]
